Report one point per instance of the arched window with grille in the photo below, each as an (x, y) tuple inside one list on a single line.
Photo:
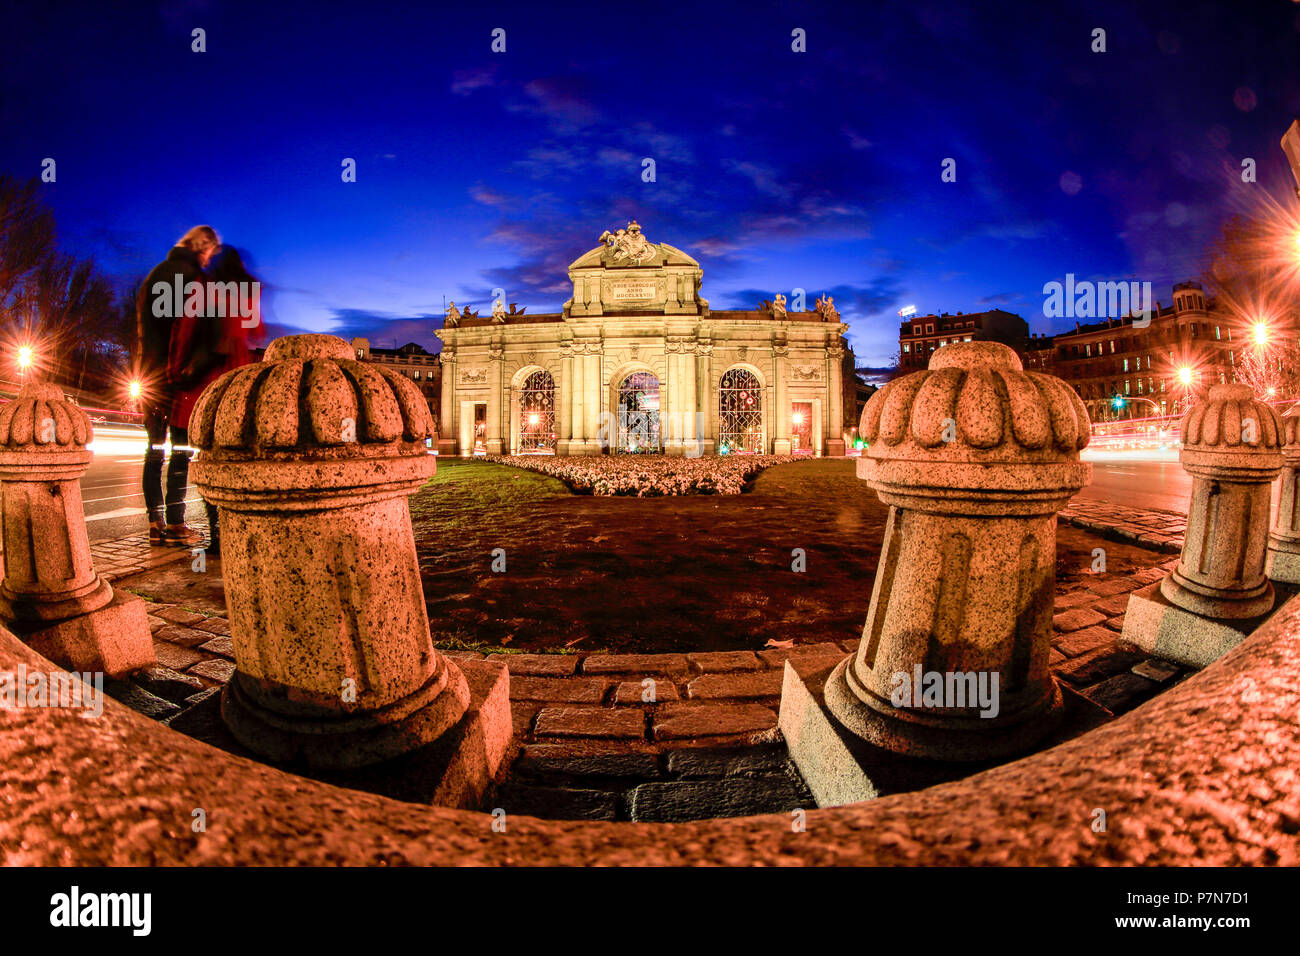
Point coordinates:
[(537, 414), (740, 413)]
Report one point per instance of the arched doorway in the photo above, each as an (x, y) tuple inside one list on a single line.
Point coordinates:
[(536, 428), (638, 415), (740, 413)]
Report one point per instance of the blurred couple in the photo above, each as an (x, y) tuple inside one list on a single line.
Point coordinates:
[(181, 350)]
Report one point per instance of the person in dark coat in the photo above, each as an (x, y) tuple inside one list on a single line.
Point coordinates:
[(157, 309), (203, 348)]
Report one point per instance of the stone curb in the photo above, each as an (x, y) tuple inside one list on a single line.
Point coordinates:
[(1198, 775)]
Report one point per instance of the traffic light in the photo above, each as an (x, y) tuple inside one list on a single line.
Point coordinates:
[(1117, 402)]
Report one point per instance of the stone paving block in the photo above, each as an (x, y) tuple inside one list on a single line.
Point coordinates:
[(215, 669), (690, 719), (1148, 576), (632, 692), (668, 664), (1122, 692), (178, 615), (1115, 623), (1076, 619), (1114, 605), (1101, 663), (583, 758), (174, 656), (1155, 669), (155, 622), (556, 803), (140, 700), (568, 690), (758, 760), (803, 654), (850, 646), (538, 665), (522, 715), (1075, 643), (1074, 599), (738, 686), (1055, 657), (222, 646), (711, 661), (676, 801), (213, 625), (1108, 585), (590, 722), (168, 684), (182, 635)]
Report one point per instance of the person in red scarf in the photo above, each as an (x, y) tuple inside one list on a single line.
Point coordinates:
[(205, 347)]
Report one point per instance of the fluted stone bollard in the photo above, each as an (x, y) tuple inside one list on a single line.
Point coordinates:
[(51, 595), (974, 456), (1219, 591), (309, 457), (1284, 542)]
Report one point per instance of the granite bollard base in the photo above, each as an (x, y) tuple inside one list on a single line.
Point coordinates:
[(286, 726), (114, 638), (455, 770), (840, 767), (1283, 567), (1164, 629)]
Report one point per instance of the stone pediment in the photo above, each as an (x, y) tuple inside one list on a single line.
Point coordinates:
[(602, 257), (628, 273)]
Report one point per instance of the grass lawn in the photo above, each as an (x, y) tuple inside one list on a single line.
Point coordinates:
[(698, 572)]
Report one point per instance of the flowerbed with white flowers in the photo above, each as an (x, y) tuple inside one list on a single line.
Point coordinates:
[(649, 476)]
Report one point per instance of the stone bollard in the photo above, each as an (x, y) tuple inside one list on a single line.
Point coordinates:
[(51, 595), (309, 457), (974, 457), (1218, 592), (1284, 542)]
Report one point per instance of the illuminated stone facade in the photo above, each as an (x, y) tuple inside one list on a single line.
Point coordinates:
[(637, 362)]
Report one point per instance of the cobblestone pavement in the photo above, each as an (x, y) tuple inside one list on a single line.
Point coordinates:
[(1157, 530), (661, 736)]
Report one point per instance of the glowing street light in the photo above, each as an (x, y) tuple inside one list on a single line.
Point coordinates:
[(533, 419), (1185, 375), (1261, 333), (797, 418), (134, 389), (24, 357)]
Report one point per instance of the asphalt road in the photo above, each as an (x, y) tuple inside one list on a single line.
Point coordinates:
[(1161, 485), (111, 490)]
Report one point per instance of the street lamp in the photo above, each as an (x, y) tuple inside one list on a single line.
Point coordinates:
[(1185, 375), (24, 360), (1261, 333)]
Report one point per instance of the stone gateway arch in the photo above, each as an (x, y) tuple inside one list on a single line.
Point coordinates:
[(637, 362)]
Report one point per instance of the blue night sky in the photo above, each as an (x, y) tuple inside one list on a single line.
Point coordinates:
[(775, 169)]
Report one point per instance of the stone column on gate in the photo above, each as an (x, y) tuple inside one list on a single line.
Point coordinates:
[(1284, 541), (51, 596), (449, 408), (498, 408), (974, 457), (834, 426), (783, 426), (309, 457), (1232, 448)]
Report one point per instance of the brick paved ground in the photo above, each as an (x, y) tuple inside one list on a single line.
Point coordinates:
[(654, 736), (1157, 530), (664, 736)]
